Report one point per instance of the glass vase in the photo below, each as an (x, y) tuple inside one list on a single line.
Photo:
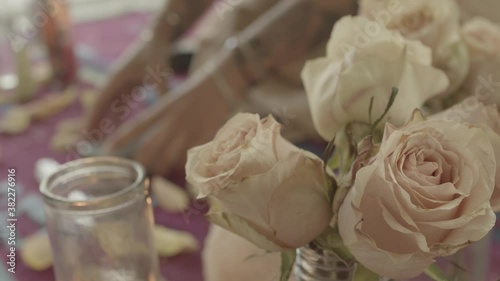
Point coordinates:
[(316, 264), (100, 221)]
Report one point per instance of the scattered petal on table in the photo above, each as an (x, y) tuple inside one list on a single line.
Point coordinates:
[(36, 252), (64, 140), (44, 167), (170, 242), (67, 134), (74, 125), (15, 121), (168, 195), (51, 104)]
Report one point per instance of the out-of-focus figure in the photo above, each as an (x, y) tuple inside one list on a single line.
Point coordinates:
[(249, 56), (57, 37)]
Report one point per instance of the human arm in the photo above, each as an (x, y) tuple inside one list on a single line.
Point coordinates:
[(191, 114), (148, 53)]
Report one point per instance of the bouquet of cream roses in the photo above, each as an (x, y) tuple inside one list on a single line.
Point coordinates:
[(394, 190)]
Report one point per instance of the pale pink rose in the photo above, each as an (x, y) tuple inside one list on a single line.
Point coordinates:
[(483, 40), (366, 60), (472, 111), (434, 23), (244, 146), (260, 186), (425, 194)]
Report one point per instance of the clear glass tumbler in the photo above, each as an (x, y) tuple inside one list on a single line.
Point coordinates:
[(100, 221)]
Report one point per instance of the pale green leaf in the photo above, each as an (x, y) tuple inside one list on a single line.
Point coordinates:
[(328, 151), (392, 98), (331, 182), (335, 161), (370, 109), (287, 262), (364, 274), (331, 240), (435, 273)]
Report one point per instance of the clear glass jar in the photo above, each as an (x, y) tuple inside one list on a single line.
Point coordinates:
[(100, 221), (316, 264)]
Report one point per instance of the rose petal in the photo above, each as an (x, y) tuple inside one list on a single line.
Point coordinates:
[(240, 227)]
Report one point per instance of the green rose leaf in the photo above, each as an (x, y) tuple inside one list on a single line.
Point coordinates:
[(287, 262), (435, 273), (364, 274)]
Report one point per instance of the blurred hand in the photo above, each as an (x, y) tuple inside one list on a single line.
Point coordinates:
[(187, 117), (143, 64)]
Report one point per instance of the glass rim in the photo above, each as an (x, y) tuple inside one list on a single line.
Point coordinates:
[(85, 162)]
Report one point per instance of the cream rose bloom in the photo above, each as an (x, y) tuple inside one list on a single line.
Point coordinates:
[(483, 40), (474, 112), (259, 185), (425, 194), (365, 60), (434, 23), (226, 255)]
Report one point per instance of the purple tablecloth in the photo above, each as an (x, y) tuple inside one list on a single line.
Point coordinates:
[(107, 39)]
